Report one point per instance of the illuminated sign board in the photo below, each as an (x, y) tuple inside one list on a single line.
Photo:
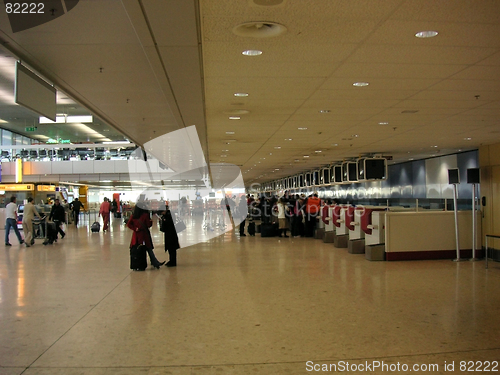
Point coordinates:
[(18, 187), (46, 188)]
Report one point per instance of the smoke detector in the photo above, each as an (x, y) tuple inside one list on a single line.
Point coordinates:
[(259, 29)]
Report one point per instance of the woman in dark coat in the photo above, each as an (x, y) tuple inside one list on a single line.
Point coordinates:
[(171, 239), (139, 223)]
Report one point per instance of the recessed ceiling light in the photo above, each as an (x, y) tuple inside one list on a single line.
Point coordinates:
[(306, 156), (302, 128), (434, 146), (223, 156), (230, 140), (355, 135), (297, 160), (383, 123), (234, 117), (335, 144), (252, 52), (318, 151), (240, 94), (467, 139), (277, 147), (229, 132), (225, 150), (360, 84), (276, 169), (288, 139), (426, 34), (324, 111)]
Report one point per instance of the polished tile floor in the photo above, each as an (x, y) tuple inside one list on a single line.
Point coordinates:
[(236, 305)]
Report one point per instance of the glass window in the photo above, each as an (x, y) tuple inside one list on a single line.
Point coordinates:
[(6, 138)]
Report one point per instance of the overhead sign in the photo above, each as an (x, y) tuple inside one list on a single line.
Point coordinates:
[(34, 93), (18, 187), (31, 129), (46, 188)]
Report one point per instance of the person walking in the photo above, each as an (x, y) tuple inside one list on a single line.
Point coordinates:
[(29, 214), (104, 211), (58, 216), (171, 240), (139, 223), (76, 206), (11, 221)]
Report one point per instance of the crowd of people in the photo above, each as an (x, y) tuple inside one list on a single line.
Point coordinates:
[(291, 212)]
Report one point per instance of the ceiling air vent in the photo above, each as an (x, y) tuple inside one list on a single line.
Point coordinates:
[(259, 29)]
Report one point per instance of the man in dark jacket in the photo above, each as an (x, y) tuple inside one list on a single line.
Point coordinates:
[(76, 206), (58, 216)]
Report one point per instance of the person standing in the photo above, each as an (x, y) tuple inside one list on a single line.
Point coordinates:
[(11, 221), (171, 240), (139, 223), (58, 216), (104, 211), (282, 213), (313, 204), (76, 206), (242, 214), (29, 214)]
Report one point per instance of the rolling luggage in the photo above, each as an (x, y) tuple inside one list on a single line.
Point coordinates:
[(51, 234), (268, 230), (138, 258), (96, 226), (251, 228)]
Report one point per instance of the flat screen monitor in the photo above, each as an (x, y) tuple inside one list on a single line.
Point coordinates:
[(308, 179), (350, 171), (301, 180), (473, 176), (315, 178), (453, 176), (325, 178), (337, 174), (372, 169)]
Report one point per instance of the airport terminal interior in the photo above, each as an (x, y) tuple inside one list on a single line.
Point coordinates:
[(388, 111)]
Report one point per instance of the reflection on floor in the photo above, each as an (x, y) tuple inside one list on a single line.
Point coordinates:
[(239, 306)]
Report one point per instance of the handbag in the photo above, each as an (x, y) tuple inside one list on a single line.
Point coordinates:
[(179, 225)]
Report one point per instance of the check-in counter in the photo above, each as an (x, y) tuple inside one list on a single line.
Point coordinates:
[(373, 226), (341, 230), (428, 235), (328, 218)]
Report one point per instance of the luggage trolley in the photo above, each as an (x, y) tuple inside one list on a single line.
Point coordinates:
[(39, 228)]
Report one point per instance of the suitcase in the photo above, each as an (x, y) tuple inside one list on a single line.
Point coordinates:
[(95, 227), (251, 229), (138, 259), (268, 230), (51, 234)]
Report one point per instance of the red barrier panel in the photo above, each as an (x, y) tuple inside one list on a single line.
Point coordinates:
[(336, 215), (349, 217), (324, 214), (366, 219)]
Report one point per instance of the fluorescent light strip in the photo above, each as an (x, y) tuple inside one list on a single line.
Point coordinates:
[(67, 120)]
